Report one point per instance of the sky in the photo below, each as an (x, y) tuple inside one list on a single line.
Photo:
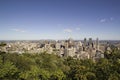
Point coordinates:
[(59, 19)]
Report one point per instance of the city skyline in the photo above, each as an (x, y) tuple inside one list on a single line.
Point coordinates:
[(59, 19)]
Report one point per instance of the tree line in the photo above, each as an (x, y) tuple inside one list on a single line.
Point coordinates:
[(45, 66)]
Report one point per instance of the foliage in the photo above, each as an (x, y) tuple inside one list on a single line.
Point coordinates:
[(45, 66)]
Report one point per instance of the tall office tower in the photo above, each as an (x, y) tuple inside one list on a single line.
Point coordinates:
[(66, 44), (90, 41), (97, 44), (66, 49), (85, 42)]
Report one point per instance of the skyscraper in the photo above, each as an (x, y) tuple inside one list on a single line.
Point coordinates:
[(90, 41), (97, 44), (85, 42)]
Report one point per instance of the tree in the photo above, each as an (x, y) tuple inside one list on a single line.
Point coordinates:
[(7, 70)]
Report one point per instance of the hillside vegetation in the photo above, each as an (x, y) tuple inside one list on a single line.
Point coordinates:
[(45, 66)]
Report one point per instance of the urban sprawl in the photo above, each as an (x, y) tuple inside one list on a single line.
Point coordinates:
[(78, 49)]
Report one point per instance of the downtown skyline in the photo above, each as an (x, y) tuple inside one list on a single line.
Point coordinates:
[(59, 19)]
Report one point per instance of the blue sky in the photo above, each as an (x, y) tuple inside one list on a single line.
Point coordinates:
[(59, 19)]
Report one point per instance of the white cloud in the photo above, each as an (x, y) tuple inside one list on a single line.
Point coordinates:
[(18, 30), (106, 19), (77, 28), (111, 19), (67, 30), (103, 20)]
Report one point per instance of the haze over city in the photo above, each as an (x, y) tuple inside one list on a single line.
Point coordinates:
[(59, 19)]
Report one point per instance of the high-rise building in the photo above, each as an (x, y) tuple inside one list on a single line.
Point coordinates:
[(90, 41), (85, 42), (97, 44), (66, 44)]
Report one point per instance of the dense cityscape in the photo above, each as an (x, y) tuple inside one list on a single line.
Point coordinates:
[(59, 39), (84, 49)]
